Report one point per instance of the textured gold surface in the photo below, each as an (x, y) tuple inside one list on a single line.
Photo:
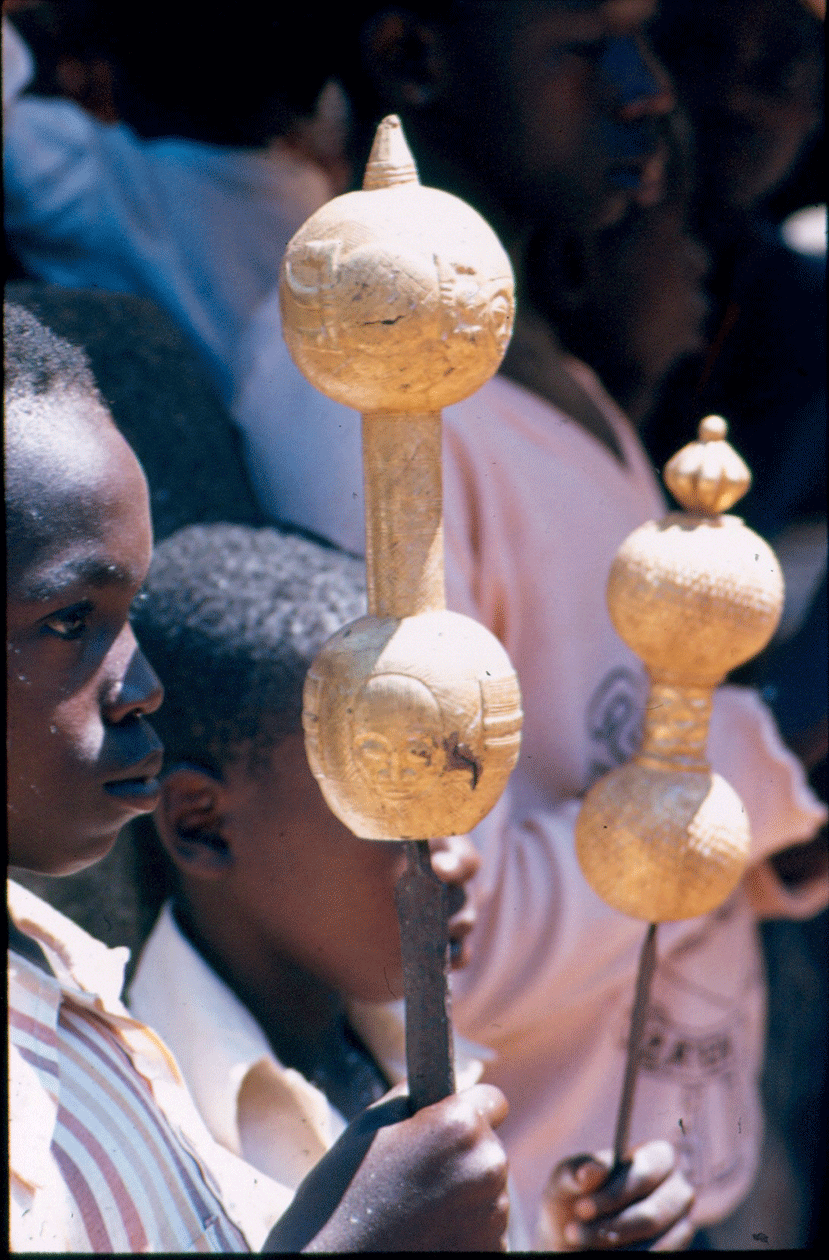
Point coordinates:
[(398, 300), (676, 728), (661, 845), (694, 595), (412, 726), (404, 513)]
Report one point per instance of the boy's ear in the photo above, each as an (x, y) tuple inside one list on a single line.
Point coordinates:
[(189, 821), (406, 58)]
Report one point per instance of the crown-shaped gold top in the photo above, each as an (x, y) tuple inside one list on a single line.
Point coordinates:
[(708, 476), (390, 162)]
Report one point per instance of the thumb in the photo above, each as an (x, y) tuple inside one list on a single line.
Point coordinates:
[(487, 1101), (580, 1174)]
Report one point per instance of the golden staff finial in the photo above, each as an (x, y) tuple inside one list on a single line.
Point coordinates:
[(398, 300), (694, 595)]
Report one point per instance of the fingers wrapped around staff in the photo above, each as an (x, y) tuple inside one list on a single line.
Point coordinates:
[(645, 1200)]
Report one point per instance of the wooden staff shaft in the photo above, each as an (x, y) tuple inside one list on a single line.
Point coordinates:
[(424, 939), (402, 475), (644, 976)]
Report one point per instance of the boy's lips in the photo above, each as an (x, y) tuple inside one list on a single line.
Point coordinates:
[(644, 178), (138, 786)]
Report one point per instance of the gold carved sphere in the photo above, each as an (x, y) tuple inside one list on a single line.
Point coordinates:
[(661, 845), (695, 596), (396, 255), (412, 726), (698, 593)]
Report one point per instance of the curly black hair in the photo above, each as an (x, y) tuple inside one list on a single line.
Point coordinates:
[(154, 384), (36, 361), (231, 617)]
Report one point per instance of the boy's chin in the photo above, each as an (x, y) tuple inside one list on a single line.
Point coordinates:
[(48, 860)]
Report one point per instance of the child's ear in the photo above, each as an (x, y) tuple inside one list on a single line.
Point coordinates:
[(406, 58), (189, 821)]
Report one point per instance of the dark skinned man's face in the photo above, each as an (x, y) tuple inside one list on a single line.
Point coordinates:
[(556, 107)]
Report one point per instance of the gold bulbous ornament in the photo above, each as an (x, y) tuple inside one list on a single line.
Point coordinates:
[(430, 729), (708, 476), (694, 595), (398, 300), (396, 256)]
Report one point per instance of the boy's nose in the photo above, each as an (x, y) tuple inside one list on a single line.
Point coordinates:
[(139, 692), (639, 82), (454, 859)]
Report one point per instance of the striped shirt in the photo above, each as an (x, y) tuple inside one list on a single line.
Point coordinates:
[(106, 1150)]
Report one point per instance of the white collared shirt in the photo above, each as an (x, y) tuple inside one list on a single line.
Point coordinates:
[(255, 1106), (264, 1112)]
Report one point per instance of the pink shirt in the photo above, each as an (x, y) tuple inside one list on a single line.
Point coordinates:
[(535, 509)]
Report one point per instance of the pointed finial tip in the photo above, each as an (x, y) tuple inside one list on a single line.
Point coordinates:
[(712, 429), (390, 162)]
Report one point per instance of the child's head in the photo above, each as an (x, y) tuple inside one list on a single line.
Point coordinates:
[(82, 758), (751, 76), (234, 76), (232, 617), (160, 397), (547, 110)]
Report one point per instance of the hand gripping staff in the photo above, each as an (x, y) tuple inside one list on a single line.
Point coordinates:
[(695, 595), (398, 300)]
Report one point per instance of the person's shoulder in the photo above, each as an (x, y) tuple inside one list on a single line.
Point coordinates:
[(77, 959), (509, 419), (18, 63), (37, 918), (501, 411)]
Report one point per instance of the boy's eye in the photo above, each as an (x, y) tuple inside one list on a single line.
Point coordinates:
[(69, 623), (591, 48), (585, 49)]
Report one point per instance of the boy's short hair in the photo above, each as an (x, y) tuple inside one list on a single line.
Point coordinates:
[(155, 386), (231, 617), (37, 361)]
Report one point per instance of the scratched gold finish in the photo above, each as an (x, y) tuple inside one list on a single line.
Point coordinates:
[(398, 297), (398, 300), (694, 595)]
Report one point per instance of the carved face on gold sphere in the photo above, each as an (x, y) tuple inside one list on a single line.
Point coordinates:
[(397, 736), (406, 739), (403, 255)]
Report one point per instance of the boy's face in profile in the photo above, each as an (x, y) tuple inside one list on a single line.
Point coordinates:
[(82, 759), (555, 104), (312, 892)]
